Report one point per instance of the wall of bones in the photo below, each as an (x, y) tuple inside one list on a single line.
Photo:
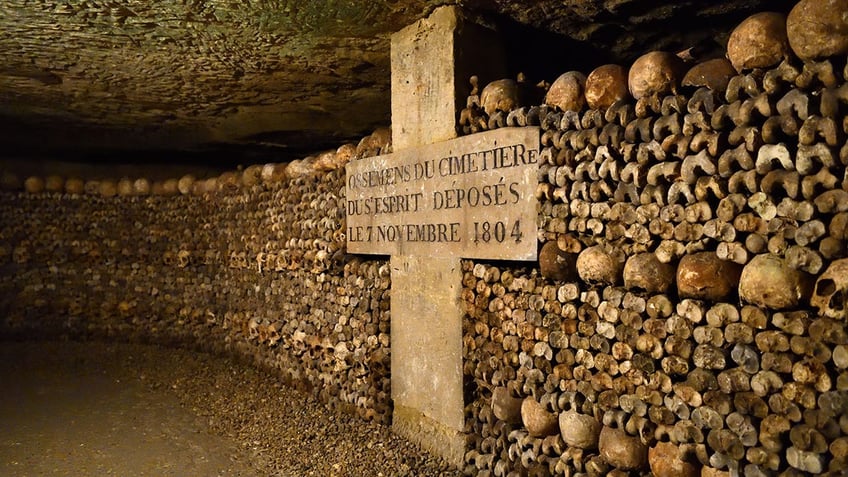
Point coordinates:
[(687, 315), (249, 263)]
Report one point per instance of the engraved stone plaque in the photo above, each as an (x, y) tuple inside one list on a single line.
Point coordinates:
[(471, 197)]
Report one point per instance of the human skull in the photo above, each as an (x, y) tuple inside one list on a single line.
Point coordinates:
[(704, 276), (500, 95), (566, 93), (252, 175), (34, 184), (714, 74), (818, 28), (656, 72), (644, 271), (622, 450), (601, 264), (538, 420), (768, 281), (579, 430), (183, 258), (557, 264), (605, 85), (141, 186), (758, 42), (54, 183), (273, 332), (75, 186), (830, 295)]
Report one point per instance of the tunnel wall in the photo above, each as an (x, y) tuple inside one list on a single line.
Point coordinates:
[(689, 296), (258, 272), (685, 309)]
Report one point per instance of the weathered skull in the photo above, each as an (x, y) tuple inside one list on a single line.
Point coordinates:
[(54, 183), (273, 173), (252, 175), (211, 256), (75, 186), (579, 430), (538, 421), (141, 186), (378, 142), (185, 183), (183, 258), (605, 85), (169, 259), (831, 292), (566, 93), (326, 161), (601, 264), (758, 42), (622, 450), (125, 187), (657, 72), (253, 328), (500, 95), (556, 264), (34, 184), (274, 333), (704, 276), (714, 74), (644, 271), (768, 281), (818, 28)]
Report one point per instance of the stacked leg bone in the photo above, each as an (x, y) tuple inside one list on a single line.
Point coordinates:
[(688, 313)]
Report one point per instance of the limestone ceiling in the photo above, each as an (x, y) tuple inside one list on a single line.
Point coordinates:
[(250, 80)]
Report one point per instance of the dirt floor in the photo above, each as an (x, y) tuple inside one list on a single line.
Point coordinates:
[(79, 409)]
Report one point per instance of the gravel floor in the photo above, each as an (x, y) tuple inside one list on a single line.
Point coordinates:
[(124, 409)]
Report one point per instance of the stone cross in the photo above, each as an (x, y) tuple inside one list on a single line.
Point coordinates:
[(434, 200)]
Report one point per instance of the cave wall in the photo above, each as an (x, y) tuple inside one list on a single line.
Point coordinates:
[(688, 306)]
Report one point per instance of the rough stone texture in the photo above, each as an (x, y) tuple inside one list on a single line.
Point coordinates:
[(614, 353), (278, 77), (427, 382), (427, 364)]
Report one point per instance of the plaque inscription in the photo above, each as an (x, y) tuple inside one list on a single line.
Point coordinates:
[(470, 197)]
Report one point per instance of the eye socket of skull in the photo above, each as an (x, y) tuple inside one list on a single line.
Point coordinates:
[(825, 287)]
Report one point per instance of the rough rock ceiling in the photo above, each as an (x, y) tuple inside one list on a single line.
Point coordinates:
[(251, 80)]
